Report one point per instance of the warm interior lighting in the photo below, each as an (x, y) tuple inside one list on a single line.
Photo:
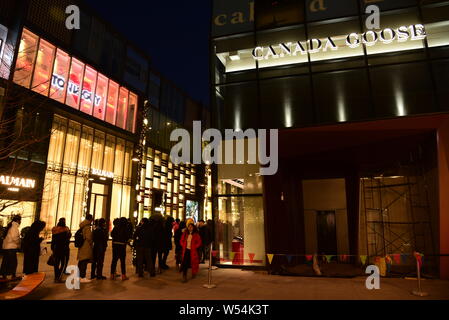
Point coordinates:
[(234, 56)]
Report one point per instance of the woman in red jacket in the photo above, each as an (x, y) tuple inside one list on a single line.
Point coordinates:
[(190, 242)]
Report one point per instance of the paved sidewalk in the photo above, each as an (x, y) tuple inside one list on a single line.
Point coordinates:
[(232, 284)]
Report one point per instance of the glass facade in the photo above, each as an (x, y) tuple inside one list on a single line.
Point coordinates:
[(239, 227), (175, 183), (53, 73), (303, 66), (75, 152)]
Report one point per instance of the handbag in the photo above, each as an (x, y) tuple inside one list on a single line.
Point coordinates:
[(51, 260)]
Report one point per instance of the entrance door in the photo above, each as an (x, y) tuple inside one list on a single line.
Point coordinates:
[(99, 200), (326, 232)]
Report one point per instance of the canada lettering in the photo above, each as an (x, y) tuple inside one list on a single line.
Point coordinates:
[(353, 40)]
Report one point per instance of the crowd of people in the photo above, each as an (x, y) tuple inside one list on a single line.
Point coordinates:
[(151, 240)]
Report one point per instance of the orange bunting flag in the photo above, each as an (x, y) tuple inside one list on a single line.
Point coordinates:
[(251, 257), (363, 259), (309, 257), (270, 257)]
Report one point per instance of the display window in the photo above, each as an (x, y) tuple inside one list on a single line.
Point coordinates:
[(75, 83), (43, 68), (59, 77), (88, 93), (100, 97), (111, 110), (132, 113), (122, 108), (26, 58)]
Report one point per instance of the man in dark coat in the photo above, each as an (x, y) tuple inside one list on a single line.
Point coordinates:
[(100, 236), (60, 246), (32, 248), (167, 241), (142, 242), (156, 239)]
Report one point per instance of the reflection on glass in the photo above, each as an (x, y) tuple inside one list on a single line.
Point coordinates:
[(25, 59), (43, 68), (111, 111), (75, 83), (88, 94), (60, 75)]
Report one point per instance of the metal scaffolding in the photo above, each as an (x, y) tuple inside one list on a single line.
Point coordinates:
[(397, 214)]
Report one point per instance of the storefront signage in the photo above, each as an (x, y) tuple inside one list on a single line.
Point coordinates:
[(102, 173), (17, 182), (353, 40), (74, 89)]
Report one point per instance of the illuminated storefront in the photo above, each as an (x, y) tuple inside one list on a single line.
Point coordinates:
[(88, 170), (313, 70), (50, 71)]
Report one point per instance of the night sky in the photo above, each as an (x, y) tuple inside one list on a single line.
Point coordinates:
[(174, 33)]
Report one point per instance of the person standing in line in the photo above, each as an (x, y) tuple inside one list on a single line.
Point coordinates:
[(167, 244), (10, 246), (100, 237), (60, 242), (32, 247), (190, 242), (202, 230), (178, 247), (142, 244), (85, 252), (157, 230), (120, 237)]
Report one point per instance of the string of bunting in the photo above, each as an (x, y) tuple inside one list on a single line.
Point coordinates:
[(390, 259)]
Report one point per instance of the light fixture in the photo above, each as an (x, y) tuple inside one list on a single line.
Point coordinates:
[(234, 56), (103, 178), (145, 121)]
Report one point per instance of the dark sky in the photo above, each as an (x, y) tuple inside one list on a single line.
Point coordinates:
[(174, 33)]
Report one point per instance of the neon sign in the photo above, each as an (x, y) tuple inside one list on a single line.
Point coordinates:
[(74, 89), (17, 182), (353, 40)]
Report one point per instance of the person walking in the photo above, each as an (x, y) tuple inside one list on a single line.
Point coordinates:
[(60, 242), (167, 245), (100, 237), (32, 247), (190, 242), (85, 252), (120, 237), (10, 246), (178, 247)]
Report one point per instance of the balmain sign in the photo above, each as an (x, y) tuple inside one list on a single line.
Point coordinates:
[(353, 40)]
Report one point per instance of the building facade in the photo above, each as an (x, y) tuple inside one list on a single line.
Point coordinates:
[(73, 107), (362, 119)]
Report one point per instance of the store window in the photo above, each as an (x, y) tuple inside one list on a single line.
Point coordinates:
[(71, 147), (26, 58), (108, 163), (75, 83), (43, 68), (111, 110), (100, 97), (60, 75), (98, 150), (88, 93), (132, 113), (85, 155), (119, 160), (122, 108)]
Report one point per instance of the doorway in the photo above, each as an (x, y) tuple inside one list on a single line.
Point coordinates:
[(99, 200), (326, 232)]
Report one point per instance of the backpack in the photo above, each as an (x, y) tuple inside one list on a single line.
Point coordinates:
[(79, 238)]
